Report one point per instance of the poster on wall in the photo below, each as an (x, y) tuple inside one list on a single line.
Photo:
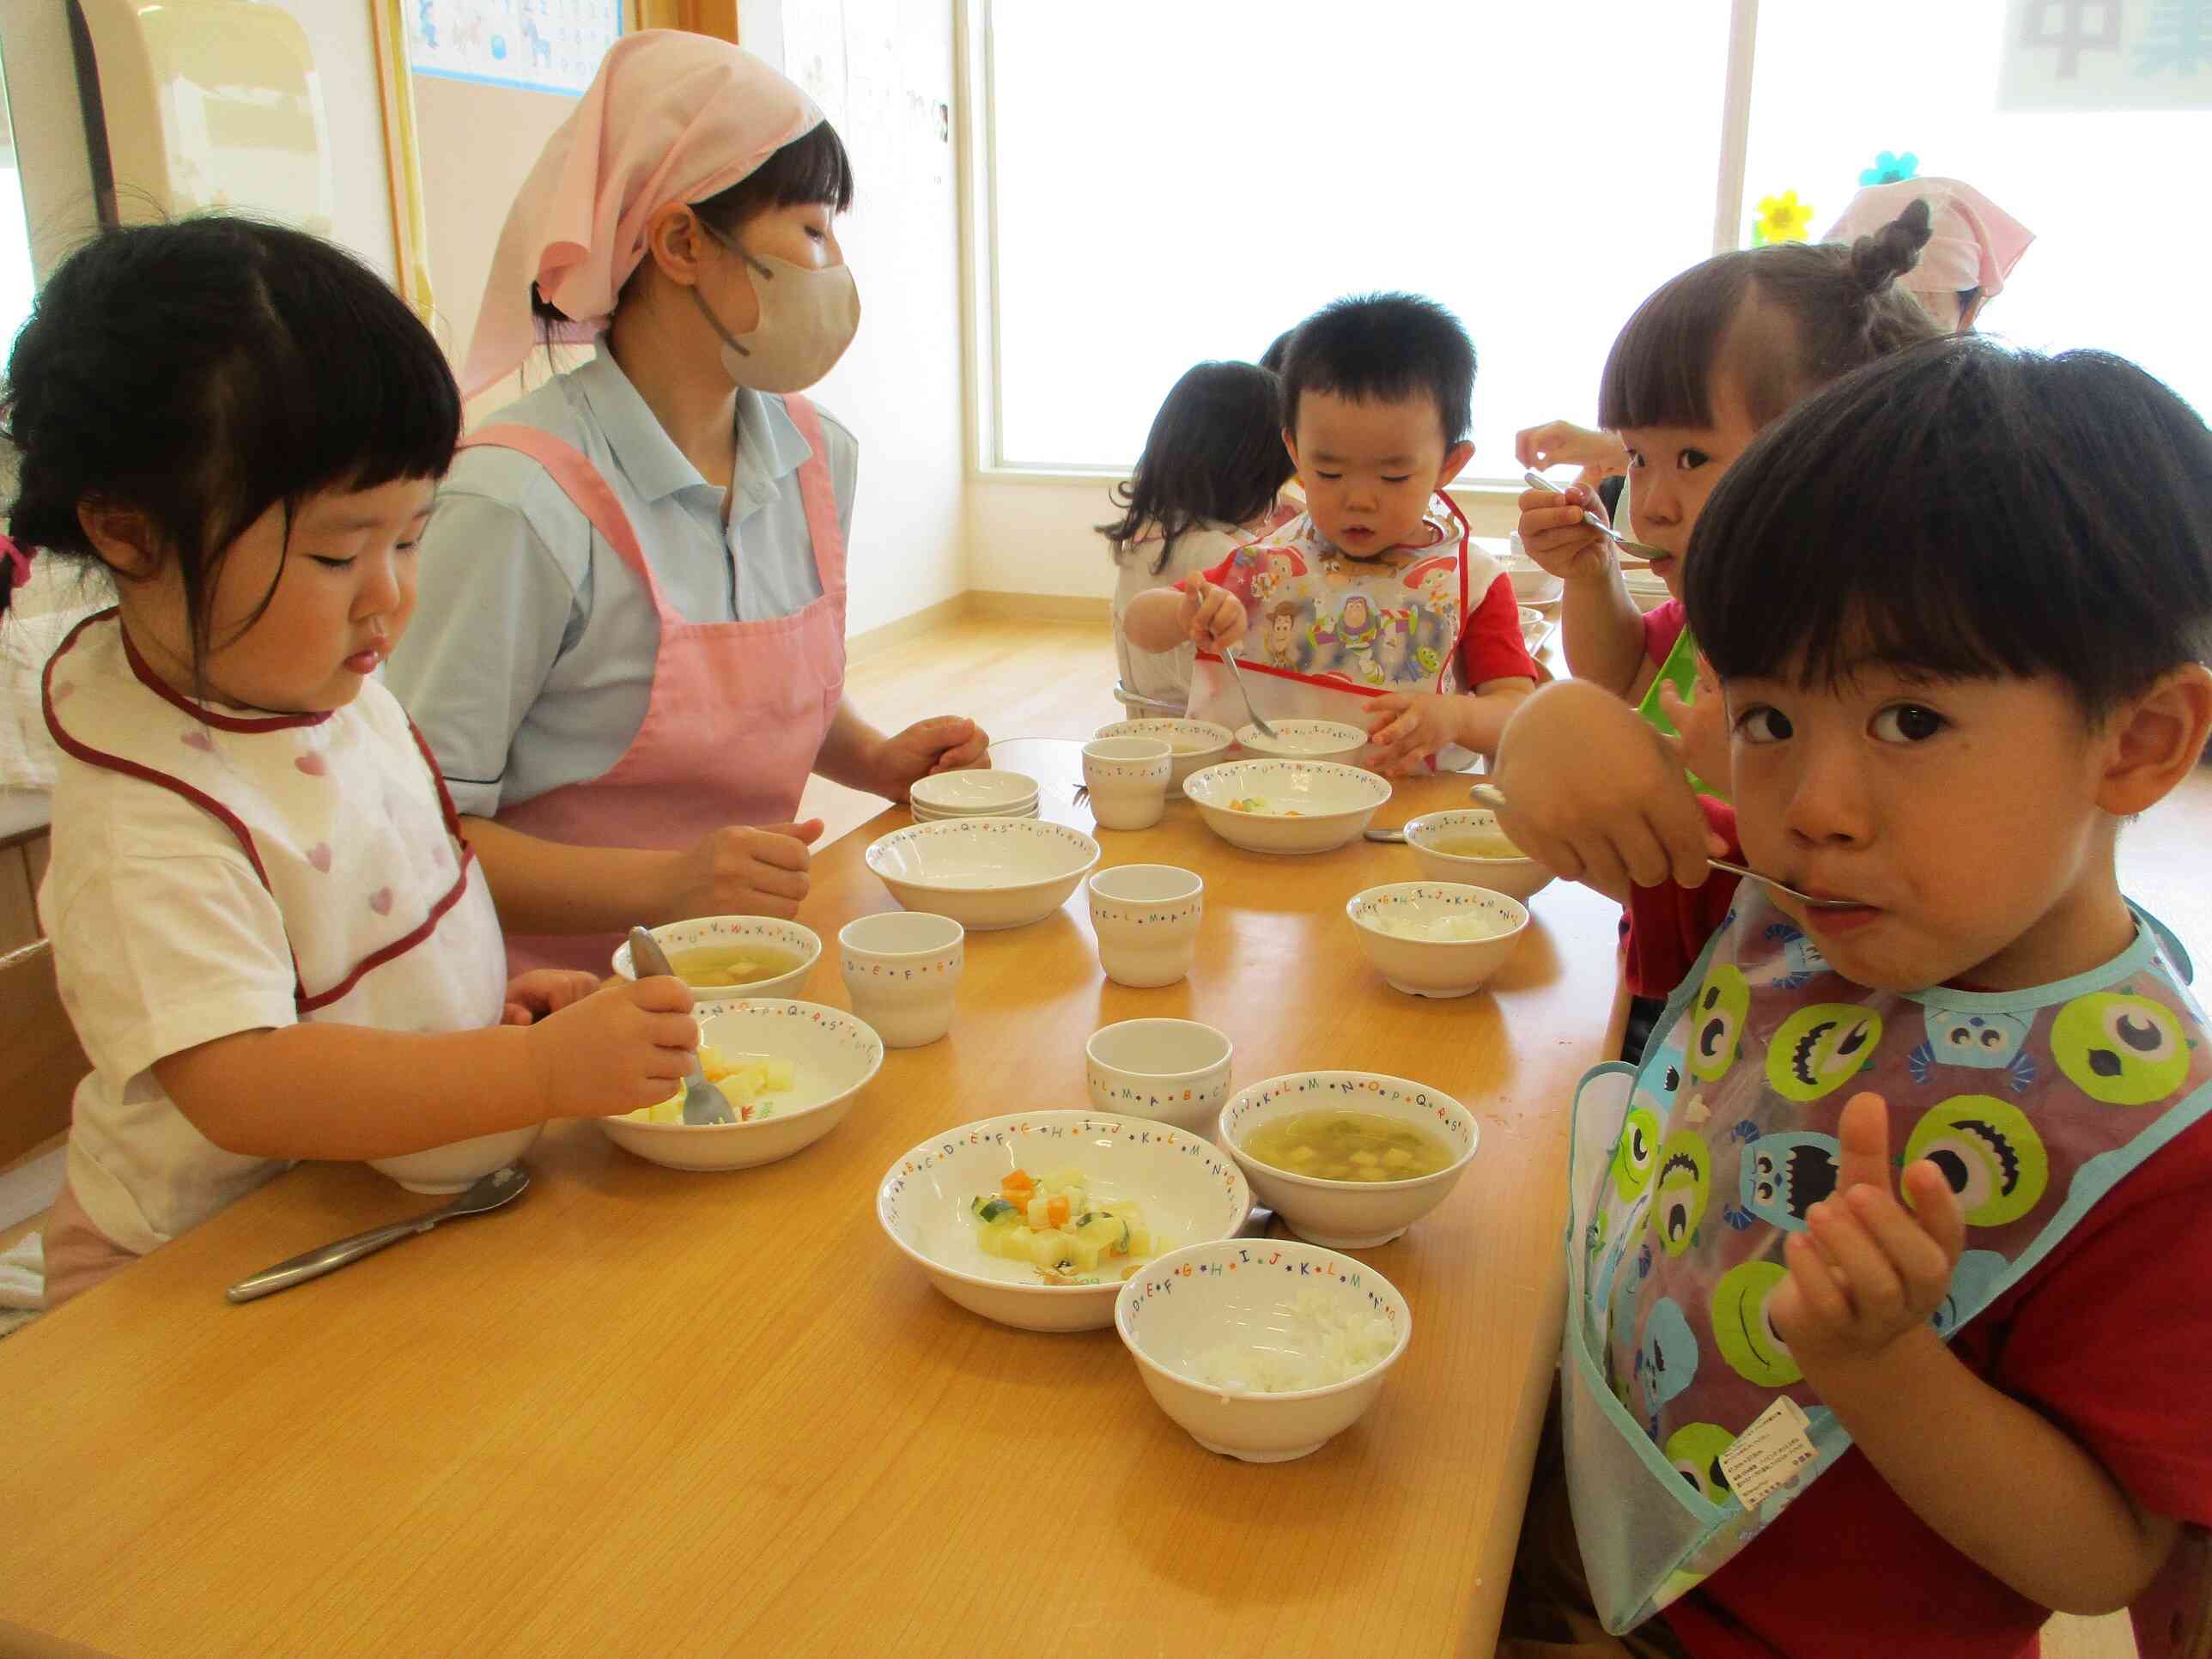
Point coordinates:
[(539, 46), (2105, 55)]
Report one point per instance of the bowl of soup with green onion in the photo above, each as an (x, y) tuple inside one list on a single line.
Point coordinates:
[(723, 957), (1348, 1159), (1468, 846)]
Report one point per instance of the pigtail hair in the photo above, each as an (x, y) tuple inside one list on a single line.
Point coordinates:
[(1879, 258)]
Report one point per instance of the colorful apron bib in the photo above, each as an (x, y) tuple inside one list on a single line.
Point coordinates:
[(1689, 1173), (1324, 633)]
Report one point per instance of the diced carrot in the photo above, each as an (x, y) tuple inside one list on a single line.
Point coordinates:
[(1020, 1182), (1055, 1210)]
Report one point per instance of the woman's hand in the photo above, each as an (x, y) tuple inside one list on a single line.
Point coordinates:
[(1555, 535), (544, 991), (744, 869), (1598, 796), (946, 743), (1558, 443)]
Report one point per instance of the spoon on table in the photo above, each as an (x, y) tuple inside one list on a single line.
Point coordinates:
[(1647, 552), (1491, 797), (703, 1104), (500, 1186)]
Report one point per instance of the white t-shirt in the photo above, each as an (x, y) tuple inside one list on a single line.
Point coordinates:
[(166, 935), (1164, 676)]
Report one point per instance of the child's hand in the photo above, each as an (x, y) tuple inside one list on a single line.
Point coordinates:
[(622, 1047), (1702, 724), (1597, 795), (1212, 617), (1599, 454), (745, 870), (544, 991), (1867, 1270), (1405, 728), (1555, 535)]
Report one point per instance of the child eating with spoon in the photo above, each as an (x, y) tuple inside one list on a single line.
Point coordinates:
[(1811, 1405)]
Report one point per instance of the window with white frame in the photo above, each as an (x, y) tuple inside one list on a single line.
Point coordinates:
[(1172, 180)]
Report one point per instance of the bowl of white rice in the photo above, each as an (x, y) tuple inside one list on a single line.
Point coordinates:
[(1435, 939), (1262, 1349)]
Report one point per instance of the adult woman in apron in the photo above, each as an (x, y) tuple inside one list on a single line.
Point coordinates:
[(630, 652)]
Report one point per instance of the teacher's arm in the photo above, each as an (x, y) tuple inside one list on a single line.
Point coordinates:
[(853, 753), (544, 886)]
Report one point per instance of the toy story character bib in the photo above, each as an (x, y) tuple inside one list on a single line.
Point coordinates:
[(1324, 633), (1689, 1173)]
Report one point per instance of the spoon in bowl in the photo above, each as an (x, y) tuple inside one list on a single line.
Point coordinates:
[(1494, 801), (703, 1104), (1647, 552)]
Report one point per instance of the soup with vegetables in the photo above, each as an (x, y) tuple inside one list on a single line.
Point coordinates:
[(1347, 1147), (1474, 844), (717, 966)]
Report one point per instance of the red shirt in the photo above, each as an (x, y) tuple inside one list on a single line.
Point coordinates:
[(1663, 625), (2110, 1336)]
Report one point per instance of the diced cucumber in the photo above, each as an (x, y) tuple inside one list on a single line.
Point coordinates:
[(996, 1212)]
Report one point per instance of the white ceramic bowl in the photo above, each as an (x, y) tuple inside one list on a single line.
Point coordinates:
[(973, 794), (1434, 967), (1191, 1193), (1312, 740), (459, 1164), (1531, 583), (1334, 803), (899, 968), (1145, 919), (1172, 1071), (1644, 589), (706, 931), (1533, 622), (930, 815), (833, 1056), (1348, 1215), (1516, 878), (985, 873), (1243, 1293), (1191, 744)]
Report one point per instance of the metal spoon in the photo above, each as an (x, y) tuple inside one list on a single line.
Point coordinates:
[(703, 1104), (1258, 725), (500, 1186), (1603, 528), (1394, 836), (1495, 801)]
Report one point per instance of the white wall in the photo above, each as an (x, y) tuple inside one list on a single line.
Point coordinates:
[(880, 69)]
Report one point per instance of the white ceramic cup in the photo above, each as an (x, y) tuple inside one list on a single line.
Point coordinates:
[(1146, 917), (1127, 778), (1172, 1071), (900, 967)]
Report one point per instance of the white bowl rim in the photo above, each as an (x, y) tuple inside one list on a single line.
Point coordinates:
[(1239, 1156), (1127, 729), (929, 793), (1354, 736), (1228, 1043), (1298, 1246), (930, 1264), (1427, 819), (1392, 888), (620, 958), (733, 1007), (1221, 774), (947, 826)]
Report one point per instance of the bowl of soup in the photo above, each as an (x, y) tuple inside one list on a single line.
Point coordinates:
[(1468, 846), (1435, 939), (724, 957), (1192, 745), (1284, 806), (1348, 1159), (1298, 739)]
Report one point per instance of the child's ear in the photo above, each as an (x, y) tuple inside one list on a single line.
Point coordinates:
[(124, 539), (1456, 458), (2152, 740), (1291, 443)]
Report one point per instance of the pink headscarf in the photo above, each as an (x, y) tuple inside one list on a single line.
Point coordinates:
[(671, 117), (1976, 243)]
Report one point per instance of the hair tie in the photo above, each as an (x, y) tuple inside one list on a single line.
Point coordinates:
[(17, 560)]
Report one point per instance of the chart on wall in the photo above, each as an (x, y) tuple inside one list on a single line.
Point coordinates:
[(539, 45), (2107, 55)]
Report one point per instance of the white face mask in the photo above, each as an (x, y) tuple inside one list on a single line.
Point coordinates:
[(807, 318)]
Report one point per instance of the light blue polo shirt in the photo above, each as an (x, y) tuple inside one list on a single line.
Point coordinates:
[(529, 663)]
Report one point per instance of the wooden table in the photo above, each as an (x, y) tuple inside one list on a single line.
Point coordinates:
[(644, 1412)]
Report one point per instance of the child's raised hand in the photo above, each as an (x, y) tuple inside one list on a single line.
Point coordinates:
[(1599, 454), (622, 1047), (1597, 795), (1553, 533), (1405, 728), (1867, 1270), (544, 991), (1212, 617), (1702, 724)]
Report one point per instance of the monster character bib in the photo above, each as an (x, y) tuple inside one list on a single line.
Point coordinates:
[(1688, 1174)]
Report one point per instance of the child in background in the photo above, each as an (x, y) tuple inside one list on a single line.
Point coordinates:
[(1376, 404), (1710, 358), (268, 932), (1945, 696), (1205, 482), (1972, 247)]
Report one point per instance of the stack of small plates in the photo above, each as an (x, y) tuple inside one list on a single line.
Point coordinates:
[(973, 795), (1645, 590)]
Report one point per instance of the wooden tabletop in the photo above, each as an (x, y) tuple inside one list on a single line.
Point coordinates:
[(642, 1410)]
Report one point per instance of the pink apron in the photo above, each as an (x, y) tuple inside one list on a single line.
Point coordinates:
[(738, 710)]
